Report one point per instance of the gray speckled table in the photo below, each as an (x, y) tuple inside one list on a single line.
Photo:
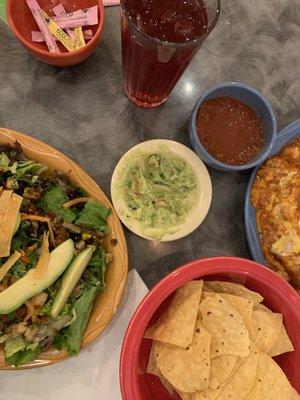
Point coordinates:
[(83, 112)]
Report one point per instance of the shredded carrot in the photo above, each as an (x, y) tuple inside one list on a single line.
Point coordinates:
[(33, 217), (51, 234), (25, 259), (8, 264), (72, 203), (44, 258)]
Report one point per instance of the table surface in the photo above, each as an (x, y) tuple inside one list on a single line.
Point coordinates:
[(83, 112)]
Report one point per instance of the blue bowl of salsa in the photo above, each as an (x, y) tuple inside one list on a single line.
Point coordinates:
[(232, 127)]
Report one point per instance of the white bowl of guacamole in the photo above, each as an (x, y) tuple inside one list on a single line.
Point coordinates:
[(161, 190)]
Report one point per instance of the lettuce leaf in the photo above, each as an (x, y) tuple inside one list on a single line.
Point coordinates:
[(97, 269), (70, 337), (18, 351), (24, 356), (13, 346), (4, 161), (53, 201), (94, 215), (22, 239), (27, 171)]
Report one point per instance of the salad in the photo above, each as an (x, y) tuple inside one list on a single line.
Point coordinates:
[(52, 258)]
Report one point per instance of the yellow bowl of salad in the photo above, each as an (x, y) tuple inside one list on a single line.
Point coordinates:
[(63, 255)]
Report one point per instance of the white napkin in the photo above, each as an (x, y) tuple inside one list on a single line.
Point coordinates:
[(93, 375)]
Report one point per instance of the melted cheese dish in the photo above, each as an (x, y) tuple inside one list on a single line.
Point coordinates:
[(276, 199)]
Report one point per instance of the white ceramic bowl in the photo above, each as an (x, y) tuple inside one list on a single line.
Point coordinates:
[(194, 218)]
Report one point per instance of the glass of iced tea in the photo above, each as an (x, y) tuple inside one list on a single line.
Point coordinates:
[(159, 40)]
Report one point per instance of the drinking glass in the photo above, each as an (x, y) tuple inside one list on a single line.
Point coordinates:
[(152, 67)]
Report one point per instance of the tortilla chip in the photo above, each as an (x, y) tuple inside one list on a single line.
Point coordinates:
[(265, 329), (226, 326), (9, 223), (295, 395), (237, 386), (186, 369), (176, 326), (270, 383), (186, 396), (262, 307), (152, 369), (4, 202), (283, 344), (233, 288), (8, 264), (221, 368), (166, 384), (193, 396), (209, 394), (243, 306), (241, 382)]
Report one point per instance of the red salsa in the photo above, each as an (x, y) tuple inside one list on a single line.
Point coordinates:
[(230, 130)]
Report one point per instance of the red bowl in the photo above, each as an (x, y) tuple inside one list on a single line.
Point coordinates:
[(278, 294), (22, 23)]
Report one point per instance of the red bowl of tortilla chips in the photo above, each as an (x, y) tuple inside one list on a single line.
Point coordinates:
[(139, 355)]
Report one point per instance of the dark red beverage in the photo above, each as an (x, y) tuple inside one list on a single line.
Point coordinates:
[(159, 39)]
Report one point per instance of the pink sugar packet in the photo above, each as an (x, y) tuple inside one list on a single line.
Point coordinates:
[(59, 11), (36, 12), (37, 36), (108, 3), (88, 16)]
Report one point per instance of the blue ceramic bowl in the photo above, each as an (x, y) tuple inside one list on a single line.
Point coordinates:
[(290, 133), (253, 99)]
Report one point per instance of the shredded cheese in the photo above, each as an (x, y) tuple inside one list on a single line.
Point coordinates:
[(51, 234), (33, 217), (72, 203), (43, 259), (8, 224), (34, 306), (8, 264)]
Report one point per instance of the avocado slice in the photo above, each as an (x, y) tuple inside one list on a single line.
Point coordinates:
[(71, 278), (28, 286)]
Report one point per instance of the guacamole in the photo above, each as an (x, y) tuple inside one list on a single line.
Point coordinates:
[(159, 189)]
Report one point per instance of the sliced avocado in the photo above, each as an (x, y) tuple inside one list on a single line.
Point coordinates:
[(18, 221), (28, 286), (71, 278)]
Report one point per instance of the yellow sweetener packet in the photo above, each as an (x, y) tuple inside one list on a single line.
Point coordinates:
[(79, 36), (60, 34)]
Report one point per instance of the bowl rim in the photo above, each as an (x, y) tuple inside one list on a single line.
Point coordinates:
[(213, 161), (193, 42), (45, 53), (200, 268)]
